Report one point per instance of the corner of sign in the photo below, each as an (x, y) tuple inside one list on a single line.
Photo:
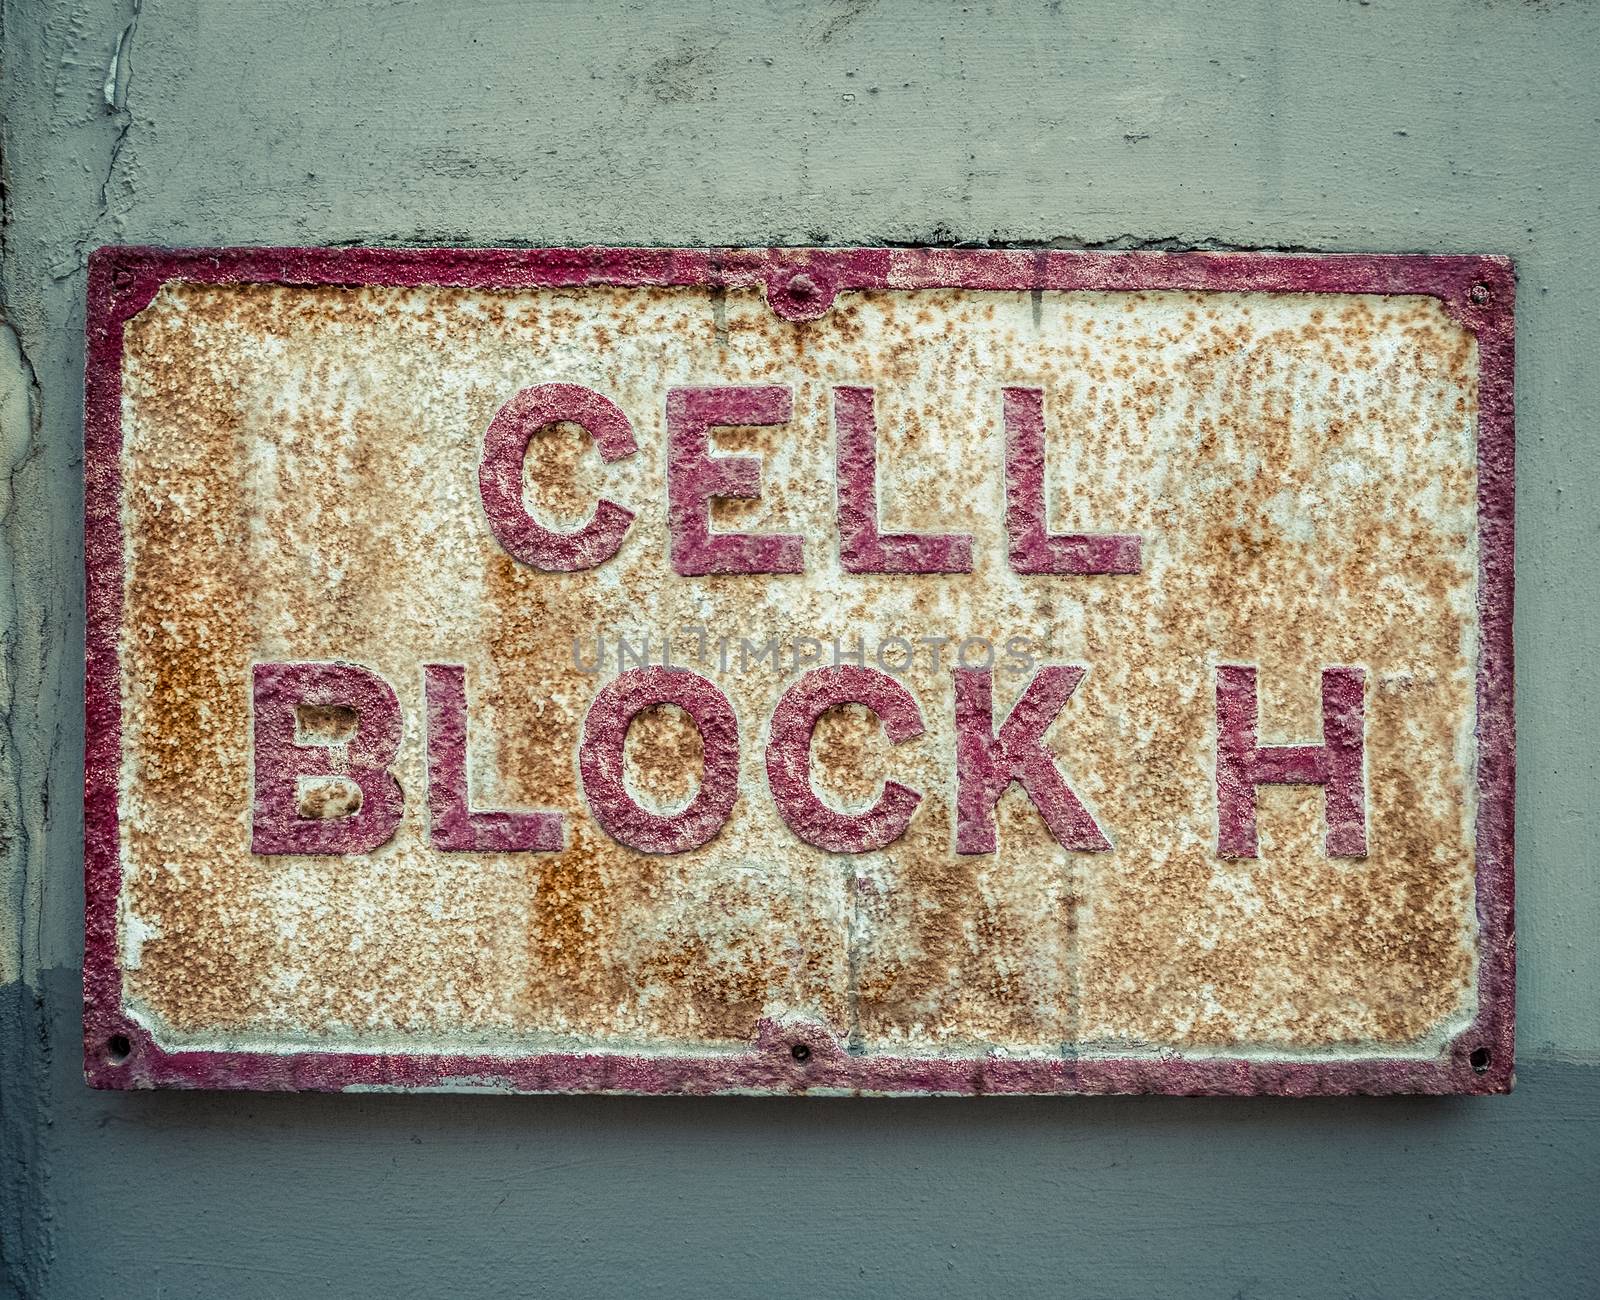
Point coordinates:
[(114, 1049), (124, 279), (1483, 1058), (1482, 292), (124, 258), (1498, 273)]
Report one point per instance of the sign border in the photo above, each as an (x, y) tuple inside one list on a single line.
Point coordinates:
[(800, 284)]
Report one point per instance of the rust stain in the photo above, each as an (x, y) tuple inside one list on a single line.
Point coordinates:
[(300, 468)]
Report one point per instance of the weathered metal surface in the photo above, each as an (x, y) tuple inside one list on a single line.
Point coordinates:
[(1230, 810)]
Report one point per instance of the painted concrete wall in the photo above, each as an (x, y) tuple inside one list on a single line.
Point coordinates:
[(1452, 125)]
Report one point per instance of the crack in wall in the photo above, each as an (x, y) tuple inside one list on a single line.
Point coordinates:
[(114, 96), (19, 448)]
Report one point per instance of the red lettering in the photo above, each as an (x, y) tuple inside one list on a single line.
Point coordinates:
[(695, 477), (862, 548), (789, 758), (505, 447), (452, 824), (1033, 548), (1335, 765), (987, 763), (282, 761), (605, 730)]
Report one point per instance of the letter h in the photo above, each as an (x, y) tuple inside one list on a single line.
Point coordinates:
[(1335, 765)]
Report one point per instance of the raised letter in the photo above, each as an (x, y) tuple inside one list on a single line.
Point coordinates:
[(986, 763), (694, 477), (1335, 764), (605, 731), (361, 759), (505, 447), (452, 825), (1033, 549), (862, 548), (789, 758)]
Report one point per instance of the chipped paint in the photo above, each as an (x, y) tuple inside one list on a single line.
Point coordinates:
[(284, 466)]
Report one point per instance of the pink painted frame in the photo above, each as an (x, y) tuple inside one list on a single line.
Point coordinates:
[(800, 284)]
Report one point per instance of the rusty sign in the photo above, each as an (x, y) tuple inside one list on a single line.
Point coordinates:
[(886, 671)]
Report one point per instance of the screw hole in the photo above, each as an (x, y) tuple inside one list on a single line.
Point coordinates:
[(800, 1052), (1480, 1059), (1479, 294), (118, 1048)]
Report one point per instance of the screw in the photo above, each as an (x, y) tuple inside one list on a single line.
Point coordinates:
[(123, 278), (800, 1052), (1479, 294), (802, 287)]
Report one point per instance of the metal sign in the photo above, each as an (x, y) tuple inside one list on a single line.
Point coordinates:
[(885, 671)]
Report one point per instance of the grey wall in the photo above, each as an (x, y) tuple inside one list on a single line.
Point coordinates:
[(1453, 125)]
